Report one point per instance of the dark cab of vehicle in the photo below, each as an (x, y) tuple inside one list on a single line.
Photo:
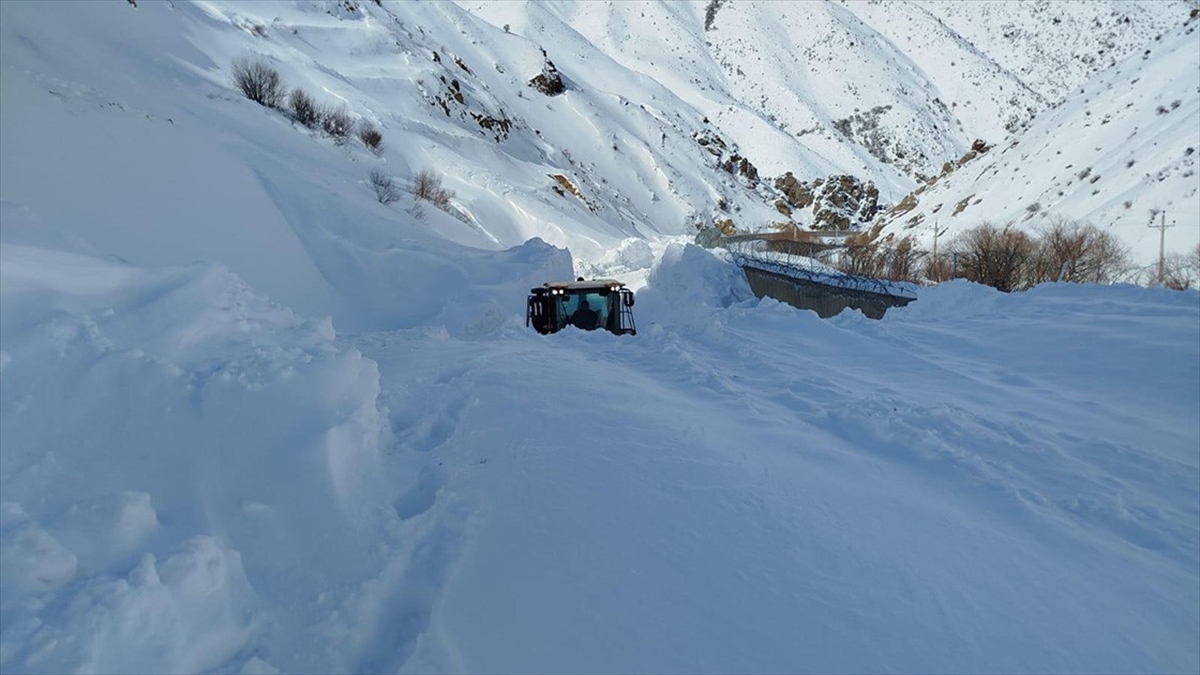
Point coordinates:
[(599, 304)]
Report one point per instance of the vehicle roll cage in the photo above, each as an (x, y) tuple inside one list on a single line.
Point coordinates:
[(545, 308)]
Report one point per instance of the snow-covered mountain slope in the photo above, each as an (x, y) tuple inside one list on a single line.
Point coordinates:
[(1055, 47), (886, 91), (625, 151), (585, 169), (253, 420), (1120, 150)]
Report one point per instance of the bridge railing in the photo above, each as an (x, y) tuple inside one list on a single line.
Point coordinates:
[(750, 252)]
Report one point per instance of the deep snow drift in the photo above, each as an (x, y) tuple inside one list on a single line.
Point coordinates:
[(195, 479), (252, 420)]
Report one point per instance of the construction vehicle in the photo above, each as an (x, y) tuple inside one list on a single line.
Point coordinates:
[(599, 304)]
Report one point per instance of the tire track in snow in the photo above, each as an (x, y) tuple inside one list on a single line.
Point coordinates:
[(388, 619), (390, 615)]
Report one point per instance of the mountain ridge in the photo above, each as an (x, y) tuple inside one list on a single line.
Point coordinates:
[(655, 131)]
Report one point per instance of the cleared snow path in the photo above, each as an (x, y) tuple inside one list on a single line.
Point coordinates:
[(195, 479), (984, 481)]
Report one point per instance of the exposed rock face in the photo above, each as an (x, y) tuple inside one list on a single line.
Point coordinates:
[(844, 202), (549, 81), (711, 142), (451, 100), (798, 194), (728, 158), (498, 127), (977, 148), (742, 166), (838, 202)]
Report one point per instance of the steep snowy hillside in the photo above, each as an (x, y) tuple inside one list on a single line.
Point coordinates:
[(885, 91), (127, 100), (1054, 47), (673, 115), (253, 419), (1120, 150)]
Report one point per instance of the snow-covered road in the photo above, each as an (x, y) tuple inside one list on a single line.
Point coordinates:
[(254, 420), (756, 490), (196, 479)]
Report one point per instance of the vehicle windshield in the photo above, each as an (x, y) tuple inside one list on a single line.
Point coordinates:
[(571, 310)]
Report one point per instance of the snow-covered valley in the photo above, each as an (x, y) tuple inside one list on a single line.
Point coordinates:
[(252, 419)]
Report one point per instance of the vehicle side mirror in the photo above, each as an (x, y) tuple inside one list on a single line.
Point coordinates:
[(628, 298)]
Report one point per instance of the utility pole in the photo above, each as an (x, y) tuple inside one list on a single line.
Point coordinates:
[(1162, 236), (936, 269)]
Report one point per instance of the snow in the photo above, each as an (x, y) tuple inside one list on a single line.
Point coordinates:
[(1130, 155), (775, 77), (251, 420), (193, 475), (180, 413)]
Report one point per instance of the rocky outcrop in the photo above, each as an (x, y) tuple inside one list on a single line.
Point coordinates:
[(977, 148), (549, 81), (450, 98), (727, 157), (838, 202), (798, 194)]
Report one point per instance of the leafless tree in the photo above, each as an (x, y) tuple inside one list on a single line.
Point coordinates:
[(1181, 272), (902, 260), (937, 268), (1072, 251), (861, 256), (995, 256)]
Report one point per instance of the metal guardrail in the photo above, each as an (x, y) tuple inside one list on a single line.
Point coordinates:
[(745, 253)]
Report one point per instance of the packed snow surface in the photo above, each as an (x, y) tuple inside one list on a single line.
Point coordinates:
[(253, 420), (197, 479)]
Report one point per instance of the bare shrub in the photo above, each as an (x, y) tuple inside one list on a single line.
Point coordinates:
[(1072, 251), (304, 108), (1181, 272), (902, 260), (995, 256), (336, 122), (258, 81), (427, 185), (386, 190), (938, 268), (370, 136), (861, 256)]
